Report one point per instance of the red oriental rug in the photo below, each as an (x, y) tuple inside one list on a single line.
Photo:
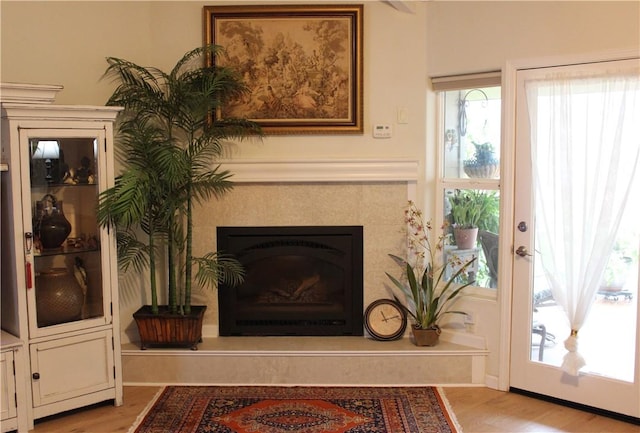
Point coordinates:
[(259, 409)]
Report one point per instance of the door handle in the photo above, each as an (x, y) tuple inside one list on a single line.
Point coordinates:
[(523, 252)]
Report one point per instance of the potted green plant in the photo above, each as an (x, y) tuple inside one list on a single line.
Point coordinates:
[(472, 210), (169, 140), (484, 163), (618, 268), (428, 292)]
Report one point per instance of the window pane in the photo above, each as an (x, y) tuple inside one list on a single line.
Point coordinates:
[(472, 133), (474, 218)]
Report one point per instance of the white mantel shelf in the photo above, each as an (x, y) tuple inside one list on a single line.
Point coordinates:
[(325, 170)]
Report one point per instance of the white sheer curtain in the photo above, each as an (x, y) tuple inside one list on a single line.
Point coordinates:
[(585, 138)]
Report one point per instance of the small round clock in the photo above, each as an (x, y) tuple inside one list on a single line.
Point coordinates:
[(385, 320)]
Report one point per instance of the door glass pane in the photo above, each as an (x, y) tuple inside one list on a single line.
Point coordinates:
[(66, 238), (608, 338), (472, 133)]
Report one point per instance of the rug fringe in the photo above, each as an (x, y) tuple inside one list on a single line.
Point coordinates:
[(449, 410), (146, 410)]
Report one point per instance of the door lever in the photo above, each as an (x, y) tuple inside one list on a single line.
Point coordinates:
[(523, 252)]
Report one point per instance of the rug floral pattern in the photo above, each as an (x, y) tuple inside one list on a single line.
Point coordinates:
[(200, 409)]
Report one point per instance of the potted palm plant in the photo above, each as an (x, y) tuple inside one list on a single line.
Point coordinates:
[(428, 292), (169, 140), (472, 209)]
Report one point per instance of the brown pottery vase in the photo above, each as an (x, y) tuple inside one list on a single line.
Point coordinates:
[(52, 226), (59, 297)]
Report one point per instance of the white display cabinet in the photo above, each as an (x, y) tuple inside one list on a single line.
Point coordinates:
[(59, 267)]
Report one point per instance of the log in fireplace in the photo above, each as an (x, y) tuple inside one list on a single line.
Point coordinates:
[(301, 280)]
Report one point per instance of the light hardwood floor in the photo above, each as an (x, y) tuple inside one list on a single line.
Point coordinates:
[(483, 410), (478, 410)]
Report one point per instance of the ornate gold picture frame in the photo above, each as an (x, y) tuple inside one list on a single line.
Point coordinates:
[(303, 65)]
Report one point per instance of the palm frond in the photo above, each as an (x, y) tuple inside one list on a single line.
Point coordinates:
[(194, 54), (131, 252), (214, 268)]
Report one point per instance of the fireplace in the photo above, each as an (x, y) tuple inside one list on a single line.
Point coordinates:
[(302, 280)]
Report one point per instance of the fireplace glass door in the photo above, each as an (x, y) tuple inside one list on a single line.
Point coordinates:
[(299, 281)]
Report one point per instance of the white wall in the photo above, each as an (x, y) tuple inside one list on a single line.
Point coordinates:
[(475, 36)]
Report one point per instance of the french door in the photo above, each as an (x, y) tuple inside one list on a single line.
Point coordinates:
[(547, 308)]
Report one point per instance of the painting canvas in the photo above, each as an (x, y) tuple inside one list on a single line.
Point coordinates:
[(303, 65)]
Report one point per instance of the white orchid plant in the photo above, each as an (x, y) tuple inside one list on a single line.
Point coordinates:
[(426, 285)]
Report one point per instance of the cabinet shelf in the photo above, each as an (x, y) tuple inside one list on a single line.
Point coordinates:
[(65, 251), (57, 186)]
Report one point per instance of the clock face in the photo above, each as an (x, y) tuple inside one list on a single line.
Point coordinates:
[(385, 320)]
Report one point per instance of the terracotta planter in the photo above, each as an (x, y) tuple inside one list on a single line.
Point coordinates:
[(465, 238), (425, 337), (169, 330)]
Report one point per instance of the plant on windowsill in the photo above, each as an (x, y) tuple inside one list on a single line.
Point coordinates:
[(471, 208), (484, 163), (429, 294), (169, 140)]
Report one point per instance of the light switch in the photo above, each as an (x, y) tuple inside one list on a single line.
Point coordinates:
[(403, 115)]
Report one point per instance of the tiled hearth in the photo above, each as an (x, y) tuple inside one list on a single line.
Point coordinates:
[(370, 193), (309, 361)]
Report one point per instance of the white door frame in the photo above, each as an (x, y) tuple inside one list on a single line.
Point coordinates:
[(507, 156)]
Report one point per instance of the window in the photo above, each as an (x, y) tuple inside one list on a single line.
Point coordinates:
[(469, 172)]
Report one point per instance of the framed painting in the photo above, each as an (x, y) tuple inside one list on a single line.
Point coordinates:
[(302, 64)]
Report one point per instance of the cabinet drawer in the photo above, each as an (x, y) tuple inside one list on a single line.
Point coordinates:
[(70, 367)]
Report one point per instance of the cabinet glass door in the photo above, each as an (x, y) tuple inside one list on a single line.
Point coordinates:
[(65, 244)]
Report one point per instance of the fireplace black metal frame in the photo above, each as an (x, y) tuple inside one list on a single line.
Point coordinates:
[(337, 246)]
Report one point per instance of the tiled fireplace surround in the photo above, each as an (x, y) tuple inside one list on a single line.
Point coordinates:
[(371, 193)]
